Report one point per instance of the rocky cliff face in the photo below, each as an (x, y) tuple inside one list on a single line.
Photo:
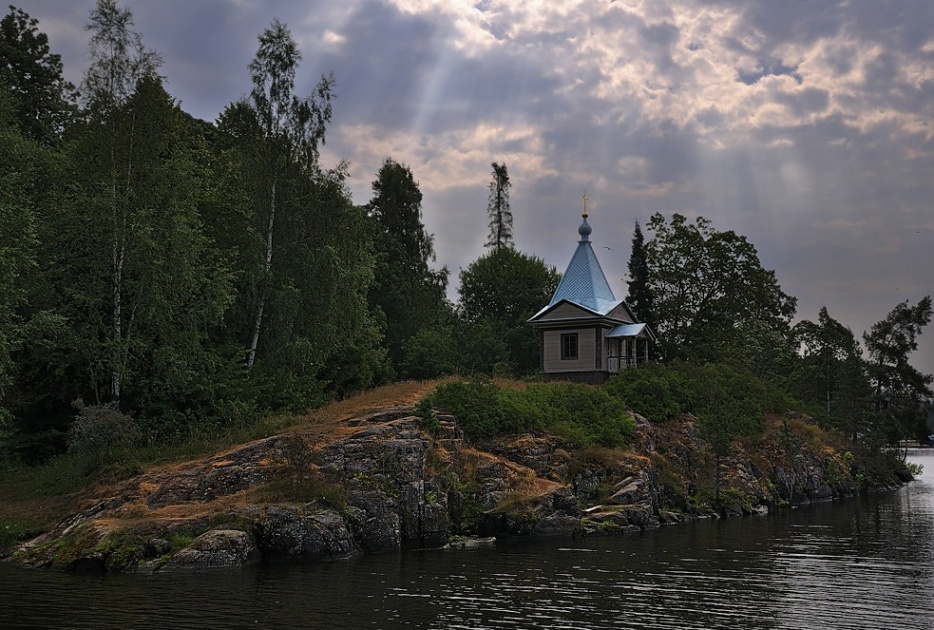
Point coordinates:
[(390, 480)]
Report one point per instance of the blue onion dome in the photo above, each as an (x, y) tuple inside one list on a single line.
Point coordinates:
[(584, 230)]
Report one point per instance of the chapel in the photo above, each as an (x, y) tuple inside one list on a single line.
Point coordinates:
[(585, 333)]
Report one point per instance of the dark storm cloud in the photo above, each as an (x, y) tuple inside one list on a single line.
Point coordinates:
[(382, 63)]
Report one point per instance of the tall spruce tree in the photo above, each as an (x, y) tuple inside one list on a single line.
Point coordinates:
[(640, 295), (408, 293), (498, 208)]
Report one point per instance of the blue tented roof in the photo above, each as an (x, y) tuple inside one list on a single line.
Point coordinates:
[(583, 282)]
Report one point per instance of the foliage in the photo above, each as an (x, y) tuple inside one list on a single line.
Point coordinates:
[(405, 290), (480, 346), (640, 298), (196, 277), (499, 292), (831, 372), (429, 354), (101, 432), (152, 284), (729, 401), (282, 134), (498, 208), (482, 409), (119, 60), (12, 531), (707, 286), (32, 76), (900, 389), (651, 391), (303, 250), (18, 244), (583, 415)]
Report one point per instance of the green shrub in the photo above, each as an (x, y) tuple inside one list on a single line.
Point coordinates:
[(12, 532), (650, 391), (582, 414), (586, 415), (101, 431), (429, 354), (483, 409)]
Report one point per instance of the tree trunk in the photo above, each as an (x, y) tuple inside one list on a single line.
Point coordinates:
[(264, 291)]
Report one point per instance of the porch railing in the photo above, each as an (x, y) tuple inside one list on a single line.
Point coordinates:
[(614, 363)]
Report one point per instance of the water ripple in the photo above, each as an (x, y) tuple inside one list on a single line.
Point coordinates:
[(864, 563)]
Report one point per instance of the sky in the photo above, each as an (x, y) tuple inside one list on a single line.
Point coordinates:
[(804, 125)]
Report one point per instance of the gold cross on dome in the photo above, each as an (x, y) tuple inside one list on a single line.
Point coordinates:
[(585, 203)]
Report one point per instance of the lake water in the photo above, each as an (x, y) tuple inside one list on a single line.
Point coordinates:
[(865, 563)]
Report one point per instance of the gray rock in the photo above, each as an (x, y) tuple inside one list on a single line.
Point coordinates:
[(375, 527), (563, 500), (216, 548), (435, 525), (642, 516), (822, 493), (280, 533), (558, 524), (608, 523), (326, 537)]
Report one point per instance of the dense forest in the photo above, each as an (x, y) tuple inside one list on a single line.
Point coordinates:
[(163, 276)]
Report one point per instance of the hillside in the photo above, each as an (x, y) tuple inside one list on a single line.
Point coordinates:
[(376, 474)]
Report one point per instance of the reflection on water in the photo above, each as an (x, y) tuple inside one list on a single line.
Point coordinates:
[(862, 563)]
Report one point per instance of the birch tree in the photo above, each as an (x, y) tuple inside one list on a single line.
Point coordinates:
[(290, 129), (118, 62)]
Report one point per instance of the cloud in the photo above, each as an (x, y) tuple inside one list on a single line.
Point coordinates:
[(805, 126)]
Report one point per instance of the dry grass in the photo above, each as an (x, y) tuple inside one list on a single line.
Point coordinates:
[(396, 394), (38, 503)]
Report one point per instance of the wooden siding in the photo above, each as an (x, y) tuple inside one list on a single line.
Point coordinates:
[(621, 314), (587, 351)]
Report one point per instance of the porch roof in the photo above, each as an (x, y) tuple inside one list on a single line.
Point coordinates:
[(626, 331)]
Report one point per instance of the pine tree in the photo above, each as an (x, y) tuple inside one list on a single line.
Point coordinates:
[(900, 388), (498, 208)]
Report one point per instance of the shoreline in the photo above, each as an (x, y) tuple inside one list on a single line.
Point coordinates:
[(384, 482)]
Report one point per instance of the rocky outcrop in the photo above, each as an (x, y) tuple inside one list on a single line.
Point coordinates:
[(389, 480), (216, 548)]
